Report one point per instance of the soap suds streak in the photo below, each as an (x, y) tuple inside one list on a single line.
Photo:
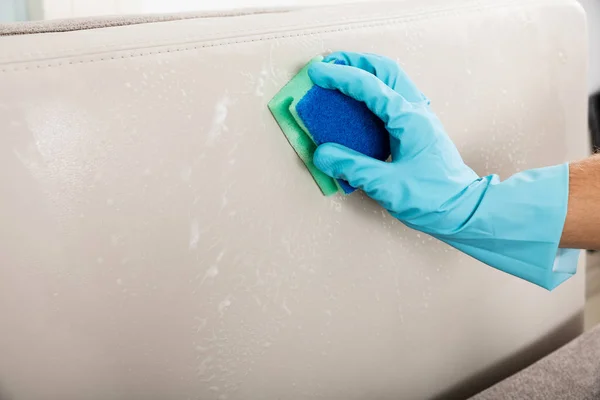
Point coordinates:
[(194, 235), (218, 125), (224, 305), (260, 84), (210, 273)]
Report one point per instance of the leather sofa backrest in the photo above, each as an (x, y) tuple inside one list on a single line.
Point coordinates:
[(160, 239)]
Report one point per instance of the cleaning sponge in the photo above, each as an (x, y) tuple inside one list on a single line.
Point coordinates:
[(310, 115)]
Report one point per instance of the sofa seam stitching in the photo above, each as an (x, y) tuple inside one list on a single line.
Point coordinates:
[(434, 13), (216, 43)]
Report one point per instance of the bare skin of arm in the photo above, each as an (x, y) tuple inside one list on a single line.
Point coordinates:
[(582, 225)]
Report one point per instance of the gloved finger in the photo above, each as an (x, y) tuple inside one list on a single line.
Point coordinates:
[(362, 86), (340, 162), (404, 122), (385, 69)]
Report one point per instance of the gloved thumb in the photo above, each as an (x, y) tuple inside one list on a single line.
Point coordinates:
[(340, 162)]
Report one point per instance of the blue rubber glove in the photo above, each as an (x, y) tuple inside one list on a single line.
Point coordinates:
[(514, 225)]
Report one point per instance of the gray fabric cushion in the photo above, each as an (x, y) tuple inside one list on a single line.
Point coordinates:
[(572, 372)]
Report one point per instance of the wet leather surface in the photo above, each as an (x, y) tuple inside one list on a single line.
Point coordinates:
[(161, 240)]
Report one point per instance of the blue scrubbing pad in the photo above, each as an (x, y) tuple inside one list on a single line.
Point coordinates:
[(332, 117), (310, 115)]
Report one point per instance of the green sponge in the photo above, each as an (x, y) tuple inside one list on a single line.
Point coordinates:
[(283, 108)]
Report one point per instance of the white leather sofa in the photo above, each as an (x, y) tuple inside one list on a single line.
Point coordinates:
[(160, 239)]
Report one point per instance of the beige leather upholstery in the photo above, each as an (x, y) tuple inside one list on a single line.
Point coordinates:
[(161, 240)]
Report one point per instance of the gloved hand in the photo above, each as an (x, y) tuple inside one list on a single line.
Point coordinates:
[(514, 226)]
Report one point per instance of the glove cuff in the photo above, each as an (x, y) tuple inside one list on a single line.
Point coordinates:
[(517, 227)]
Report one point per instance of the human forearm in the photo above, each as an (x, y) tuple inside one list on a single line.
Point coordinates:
[(582, 224)]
